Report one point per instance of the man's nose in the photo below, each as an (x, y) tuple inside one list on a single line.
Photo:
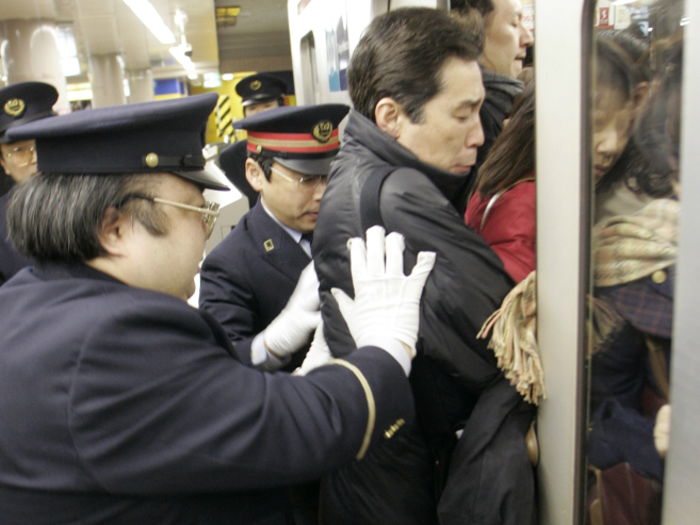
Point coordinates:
[(526, 37), (318, 191), (475, 137)]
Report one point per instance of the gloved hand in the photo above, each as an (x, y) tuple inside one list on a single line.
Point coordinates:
[(319, 354), (387, 303), (290, 330), (662, 429)]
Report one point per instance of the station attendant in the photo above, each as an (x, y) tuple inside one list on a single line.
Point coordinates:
[(248, 278), (259, 93), (119, 402), (20, 103)]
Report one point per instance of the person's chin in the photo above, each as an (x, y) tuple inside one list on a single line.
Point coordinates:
[(461, 170)]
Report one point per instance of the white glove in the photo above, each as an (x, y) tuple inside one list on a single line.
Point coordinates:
[(319, 354), (662, 429), (290, 330), (387, 303)]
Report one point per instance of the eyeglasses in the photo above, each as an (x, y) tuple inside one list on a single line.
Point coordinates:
[(307, 182), (22, 155), (210, 210)]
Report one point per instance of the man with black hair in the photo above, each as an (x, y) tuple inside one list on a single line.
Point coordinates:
[(506, 40), (122, 404), (409, 146)]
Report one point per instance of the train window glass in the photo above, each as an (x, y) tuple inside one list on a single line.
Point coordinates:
[(312, 93), (635, 136)]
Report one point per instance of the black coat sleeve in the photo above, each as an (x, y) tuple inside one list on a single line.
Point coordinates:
[(467, 284)]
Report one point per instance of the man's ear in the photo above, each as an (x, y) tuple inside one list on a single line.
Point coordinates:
[(112, 230), (389, 116), (254, 174)]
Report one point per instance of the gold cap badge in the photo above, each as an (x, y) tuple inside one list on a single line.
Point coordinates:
[(323, 131), (15, 107), (255, 85), (152, 160)]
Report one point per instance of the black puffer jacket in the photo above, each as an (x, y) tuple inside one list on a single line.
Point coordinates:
[(467, 284)]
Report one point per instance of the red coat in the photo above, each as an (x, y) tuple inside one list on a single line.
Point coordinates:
[(509, 227)]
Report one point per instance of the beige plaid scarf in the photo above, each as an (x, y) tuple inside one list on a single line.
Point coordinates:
[(625, 248)]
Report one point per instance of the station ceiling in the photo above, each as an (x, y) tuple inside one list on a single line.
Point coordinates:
[(109, 26)]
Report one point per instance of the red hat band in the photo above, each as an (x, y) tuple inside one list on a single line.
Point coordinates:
[(292, 143)]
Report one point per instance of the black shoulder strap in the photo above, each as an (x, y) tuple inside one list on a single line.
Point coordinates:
[(369, 197)]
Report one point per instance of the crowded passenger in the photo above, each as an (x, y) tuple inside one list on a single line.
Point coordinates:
[(119, 402), (502, 209), (22, 102), (506, 40), (409, 146), (625, 182), (634, 258)]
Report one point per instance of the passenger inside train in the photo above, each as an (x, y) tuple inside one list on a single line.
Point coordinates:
[(634, 259), (410, 143)]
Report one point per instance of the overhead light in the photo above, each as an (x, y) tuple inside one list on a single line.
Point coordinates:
[(227, 16), (152, 20), (227, 76), (623, 2), (192, 76), (179, 52)]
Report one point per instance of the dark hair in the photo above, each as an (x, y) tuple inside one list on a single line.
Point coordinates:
[(512, 156), (615, 68), (264, 162), (401, 56), (636, 49), (622, 63), (482, 6), (58, 217), (658, 147)]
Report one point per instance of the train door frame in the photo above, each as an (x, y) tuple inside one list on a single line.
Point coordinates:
[(563, 226), (681, 503), (564, 29)]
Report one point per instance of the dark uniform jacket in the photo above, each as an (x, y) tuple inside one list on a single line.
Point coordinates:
[(122, 405), (467, 284), (11, 261), (248, 278)]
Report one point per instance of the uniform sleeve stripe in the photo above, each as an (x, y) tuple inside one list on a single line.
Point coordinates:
[(371, 407)]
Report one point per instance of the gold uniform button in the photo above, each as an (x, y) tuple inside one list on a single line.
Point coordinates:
[(152, 160), (393, 428), (659, 276)]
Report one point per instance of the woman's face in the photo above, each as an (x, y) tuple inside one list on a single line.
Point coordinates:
[(613, 114)]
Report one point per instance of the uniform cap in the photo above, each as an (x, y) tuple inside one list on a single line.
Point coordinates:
[(302, 138), (260, 88), (151, 137), (23, 102)]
